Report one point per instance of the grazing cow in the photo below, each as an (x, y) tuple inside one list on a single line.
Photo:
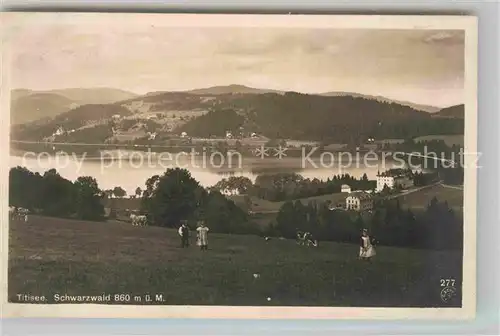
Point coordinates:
[(20, 214), (299, 237), (311, 241), (12, 213), (306, 239), (138, 220), (24, 215)]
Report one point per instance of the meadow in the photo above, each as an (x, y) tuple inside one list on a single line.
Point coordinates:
[(260, 205), (264, 212), (420, 199), (49, 256), (450, 140)]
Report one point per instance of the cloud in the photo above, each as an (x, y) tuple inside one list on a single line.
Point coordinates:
[(145, 58)]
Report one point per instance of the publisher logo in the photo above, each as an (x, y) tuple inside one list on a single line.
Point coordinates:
[(448, 293)]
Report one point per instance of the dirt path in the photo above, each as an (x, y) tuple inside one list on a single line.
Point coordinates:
[(452, 187)]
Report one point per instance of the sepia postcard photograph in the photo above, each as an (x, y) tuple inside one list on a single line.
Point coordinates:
[(238, 166)]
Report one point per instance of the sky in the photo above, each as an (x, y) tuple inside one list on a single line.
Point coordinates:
[(420, 66)]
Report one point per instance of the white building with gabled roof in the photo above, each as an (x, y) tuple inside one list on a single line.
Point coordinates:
[(359, 201), (392, 179)]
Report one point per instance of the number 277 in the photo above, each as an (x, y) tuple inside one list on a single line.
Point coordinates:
[(447, 282)]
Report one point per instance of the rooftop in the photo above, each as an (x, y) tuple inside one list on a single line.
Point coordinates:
[(361, 195), (397, 172)]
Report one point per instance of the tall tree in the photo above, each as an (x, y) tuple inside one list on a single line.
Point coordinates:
[(25, 188), (58, 195), (286, 221), (119, 192), (222, 215), (88, 199), (172, 197)]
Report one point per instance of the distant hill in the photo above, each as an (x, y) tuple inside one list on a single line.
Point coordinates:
[(95, 95), (166, 101), (456, 111), (18, 93), (345, 118), (231, 89), (92, 112), (78, 119), (28, 105), (32, 106), (420, 107), (304, 117), (242, 89)]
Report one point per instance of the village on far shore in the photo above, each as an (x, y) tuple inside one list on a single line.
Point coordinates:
[(413, 188)]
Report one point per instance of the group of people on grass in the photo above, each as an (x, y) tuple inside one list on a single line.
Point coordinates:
[(201, 235), (366, 248)]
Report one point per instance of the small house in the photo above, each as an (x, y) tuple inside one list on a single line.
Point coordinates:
[(359, 201), (345, 188)]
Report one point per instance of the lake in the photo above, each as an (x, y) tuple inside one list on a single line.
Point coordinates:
[(131, 169)]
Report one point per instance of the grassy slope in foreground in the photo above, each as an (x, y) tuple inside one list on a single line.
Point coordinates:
[(54, 256)]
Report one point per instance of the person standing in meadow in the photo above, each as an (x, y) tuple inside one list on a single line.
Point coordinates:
[(202, 232), (184, 233), (366, 249)]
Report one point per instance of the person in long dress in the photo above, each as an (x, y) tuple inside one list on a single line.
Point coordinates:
[(202, 231), (366, 249), (198, 240)]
